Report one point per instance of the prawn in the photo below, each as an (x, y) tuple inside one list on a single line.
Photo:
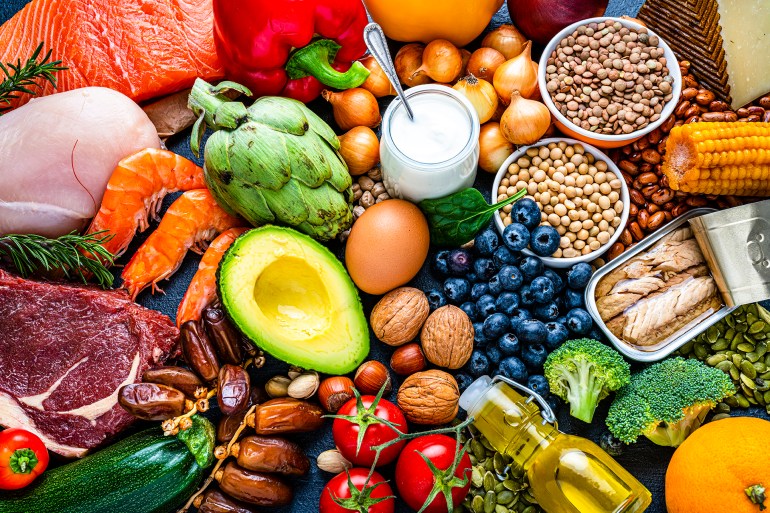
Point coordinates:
[(191, 221), (135, 191), (203, 287)]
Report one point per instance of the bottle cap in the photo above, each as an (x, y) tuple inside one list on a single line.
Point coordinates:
[(473, 393)]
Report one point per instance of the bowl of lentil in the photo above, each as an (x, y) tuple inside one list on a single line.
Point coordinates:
[(579, 190), (609, 81)]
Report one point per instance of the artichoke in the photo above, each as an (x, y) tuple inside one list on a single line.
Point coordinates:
[(275, 162)]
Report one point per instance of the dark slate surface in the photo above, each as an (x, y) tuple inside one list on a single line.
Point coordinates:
[(644, 460)]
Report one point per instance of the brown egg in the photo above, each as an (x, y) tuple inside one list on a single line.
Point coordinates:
[(387, 246)]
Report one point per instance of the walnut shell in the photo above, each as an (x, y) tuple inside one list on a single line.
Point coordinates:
[(397, 318), (447, 337), (430, 397)]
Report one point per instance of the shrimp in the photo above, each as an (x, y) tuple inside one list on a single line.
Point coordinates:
[(203, 287), (191, 221), (135, 191)]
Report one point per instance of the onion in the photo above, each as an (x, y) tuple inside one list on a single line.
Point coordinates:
[(536, 93), (524, 121), (494, 148), (481, 94), (484, 62), (506, 39), (360, 149), (516, 74), (408, 60), (377, 82), (354, 107), (540, 20), (441, 61), (466, 54)]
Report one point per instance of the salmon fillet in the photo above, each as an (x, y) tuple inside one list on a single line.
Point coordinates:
[(142, 48)]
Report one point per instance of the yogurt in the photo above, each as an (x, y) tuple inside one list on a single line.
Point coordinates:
[(435, 154)]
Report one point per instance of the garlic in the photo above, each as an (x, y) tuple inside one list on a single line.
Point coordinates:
[(278, 386), (332, 461), (304, 386)]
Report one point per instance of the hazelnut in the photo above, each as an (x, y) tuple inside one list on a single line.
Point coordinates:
[(397, 318), (407, 360), (304, 386), (447, 337), (371, 376), (332, 461), (334, 392), (429, 397)]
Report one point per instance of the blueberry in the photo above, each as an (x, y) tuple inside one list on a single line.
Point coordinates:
[(544, 240), (527, 295), (578, 275), (484, 268), (440, 263), (562, 319), (510, 277), (534, 356), (573, 299), (579, 321), (495, 287), (531, 331), (495, 325), (542, 289), (507, 302), (558, 283), (531, 267), (463, 381), (460, 262), (556, 335), (597, 334), (504, 256), (472, 277), (554, 402), (539, 385), (546, 312), (478, 365), (436, 299), (517, 316), (509, 345), (486, 306), (513, 368), (457, 290), (487, 242), (479, 340), (493, 355), (470, 309), (516, 236), (478, 290), (526, 212)]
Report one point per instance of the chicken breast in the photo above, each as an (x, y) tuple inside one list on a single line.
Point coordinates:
[(57, 154)]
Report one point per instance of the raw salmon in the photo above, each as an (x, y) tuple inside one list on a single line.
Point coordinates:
[(141, 48)]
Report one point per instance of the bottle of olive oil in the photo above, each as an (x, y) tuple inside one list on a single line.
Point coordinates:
[(567, 474)]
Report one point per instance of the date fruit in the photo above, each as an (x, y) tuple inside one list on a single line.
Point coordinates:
[(286, 415), (253, 487), (177, 377), (265, 454), (214, 501), (233, 389), (150, 401), (198, 351), (226, 340)]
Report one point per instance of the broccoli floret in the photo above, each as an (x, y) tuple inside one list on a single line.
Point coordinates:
[(667, 401), (583, 372)]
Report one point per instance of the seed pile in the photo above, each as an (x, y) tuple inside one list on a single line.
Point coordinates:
[(609, 79), (577, 194)]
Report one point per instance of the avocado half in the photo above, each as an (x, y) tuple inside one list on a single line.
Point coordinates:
[(293, 298)]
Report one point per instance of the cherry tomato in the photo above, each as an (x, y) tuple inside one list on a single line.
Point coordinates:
[(23, 457), (376, 497), (415, 480), (365, 416)]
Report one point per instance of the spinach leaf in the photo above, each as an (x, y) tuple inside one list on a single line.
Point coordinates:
[(457, 218)]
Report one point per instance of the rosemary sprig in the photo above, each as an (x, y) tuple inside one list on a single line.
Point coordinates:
[(21, 79), (73, 254)]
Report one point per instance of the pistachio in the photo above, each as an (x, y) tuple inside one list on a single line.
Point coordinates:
[(278, 386), (304, 386), (333, 462)]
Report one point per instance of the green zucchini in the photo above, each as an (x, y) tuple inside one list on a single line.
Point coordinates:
[(144, 473)]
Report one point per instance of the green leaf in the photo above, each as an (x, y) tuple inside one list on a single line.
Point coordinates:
[(199, 439), (457, 218)]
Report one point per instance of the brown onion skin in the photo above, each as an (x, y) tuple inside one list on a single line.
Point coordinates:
[(540, 20), (484, 62)]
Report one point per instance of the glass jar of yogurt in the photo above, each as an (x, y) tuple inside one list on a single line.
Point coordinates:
[(435, 154)]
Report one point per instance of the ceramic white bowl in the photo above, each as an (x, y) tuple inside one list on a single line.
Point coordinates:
[(598, 155)]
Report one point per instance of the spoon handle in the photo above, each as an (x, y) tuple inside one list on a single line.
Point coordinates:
[(378, 47)]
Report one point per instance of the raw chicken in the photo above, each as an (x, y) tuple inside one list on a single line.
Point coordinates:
[(57, 154)]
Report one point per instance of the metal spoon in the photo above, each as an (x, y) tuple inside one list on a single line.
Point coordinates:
[(378, 47)]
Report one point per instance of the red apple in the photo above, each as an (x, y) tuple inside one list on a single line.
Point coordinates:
[(540, 20)]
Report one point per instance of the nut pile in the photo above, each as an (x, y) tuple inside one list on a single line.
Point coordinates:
[(577, 195), (609, 79), (368, 190)]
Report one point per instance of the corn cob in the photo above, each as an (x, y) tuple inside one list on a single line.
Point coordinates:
[(719, 158)]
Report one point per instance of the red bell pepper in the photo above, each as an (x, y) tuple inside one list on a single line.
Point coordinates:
[(291, 48)]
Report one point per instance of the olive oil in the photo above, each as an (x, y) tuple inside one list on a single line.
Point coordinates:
[(567, 474)]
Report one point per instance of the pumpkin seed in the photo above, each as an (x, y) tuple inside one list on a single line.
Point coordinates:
[(732, 401), (767, 409), (745, 380), (761, 348), (725, 366), (737, 359), (486, 444), (722, 408), (720, 416), (499, 487), (687, 347), (742, 401), (752, 356), (529, 509), (528, 497), (490, 501), (735, 374), (730, 320), (499, 464), (477, 478), (478, 449), (489, 481), (501, 509), (759, 398), (477, 504), (505, 497), (748, 369), (762, 385), (700, 351), (720, 344), (746, 347), (714, 359), (766, 397)]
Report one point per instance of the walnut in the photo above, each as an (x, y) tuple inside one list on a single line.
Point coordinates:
[(429, 397), (447, 337), (397, 318)]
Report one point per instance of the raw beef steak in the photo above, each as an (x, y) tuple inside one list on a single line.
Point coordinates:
[(65, 351)]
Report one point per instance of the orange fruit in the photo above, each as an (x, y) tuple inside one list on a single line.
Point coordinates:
[(711, 470)]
